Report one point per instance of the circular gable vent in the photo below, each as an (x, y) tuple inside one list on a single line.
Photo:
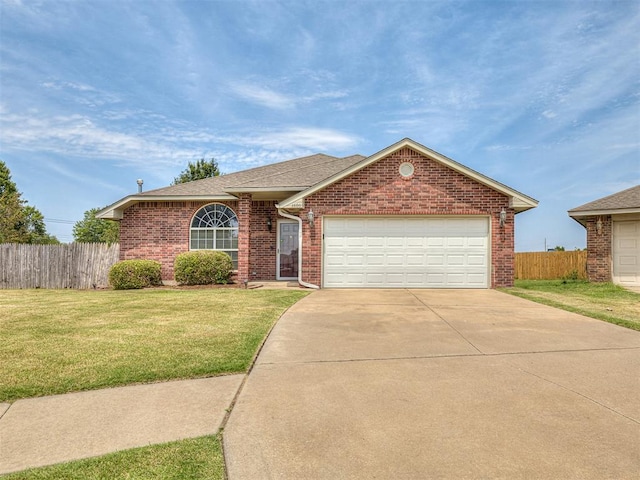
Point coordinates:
[(406, 169)]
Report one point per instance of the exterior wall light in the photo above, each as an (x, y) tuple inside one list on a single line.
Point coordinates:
[(599, 226), (269, 224), (503, 217), (310, 217)]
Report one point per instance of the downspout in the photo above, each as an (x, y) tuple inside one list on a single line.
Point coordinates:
[(299, 220)]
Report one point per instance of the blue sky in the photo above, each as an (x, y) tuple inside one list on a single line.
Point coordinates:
[(540, 95)]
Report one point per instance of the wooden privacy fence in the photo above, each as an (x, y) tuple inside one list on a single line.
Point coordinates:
[(74, 265), (551, 265)]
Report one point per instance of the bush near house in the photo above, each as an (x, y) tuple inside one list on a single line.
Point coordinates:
[(202, 268), (133, 274)]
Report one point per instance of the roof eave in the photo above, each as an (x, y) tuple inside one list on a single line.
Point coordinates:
[(520, 204), (115, 211), (519, 201), (591, 213)]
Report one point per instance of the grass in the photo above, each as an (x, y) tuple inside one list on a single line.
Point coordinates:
[(198, 458), (603, 301), (59, 341)]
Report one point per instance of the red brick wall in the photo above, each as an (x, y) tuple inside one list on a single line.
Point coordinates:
[(432, 190), (599, 249), (159, 231), (262, 257)]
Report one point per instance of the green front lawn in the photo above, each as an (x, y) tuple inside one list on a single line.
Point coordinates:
[(59, 341), (197, 458), (604, 301)]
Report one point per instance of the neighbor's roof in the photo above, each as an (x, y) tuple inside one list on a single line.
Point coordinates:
[(626, 201), (290, 182)]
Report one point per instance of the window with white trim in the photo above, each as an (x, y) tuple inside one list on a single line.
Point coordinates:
[(215, 227)]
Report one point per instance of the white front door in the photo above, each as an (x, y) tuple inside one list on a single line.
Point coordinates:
[(406, 252), (287, 254)]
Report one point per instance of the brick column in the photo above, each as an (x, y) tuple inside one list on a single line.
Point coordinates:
[(599, 249), (502, 246), (244, 236)]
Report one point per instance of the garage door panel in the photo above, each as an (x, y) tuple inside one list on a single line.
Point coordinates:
[(334, 259), (477, 260), (406, 252), (416, 242), (435, 242), (395, 259), (628, 260), (355, 260), (626, 252), (416, 259), (477, 242), (455, 260), (375, 259), (355, 242), (628, 243), (375, 242)]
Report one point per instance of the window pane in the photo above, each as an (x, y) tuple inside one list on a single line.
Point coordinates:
[(215, 227)]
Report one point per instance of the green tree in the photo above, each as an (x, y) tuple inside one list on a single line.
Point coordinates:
[(19, 222), (36, 229), (197, 171), (96, 230), (559, 248), (11, 225)]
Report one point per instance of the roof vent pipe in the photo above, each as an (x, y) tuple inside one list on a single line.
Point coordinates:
[(139, 182)]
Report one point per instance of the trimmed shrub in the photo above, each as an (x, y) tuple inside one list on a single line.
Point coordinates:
[(203, 267), (129, 274)]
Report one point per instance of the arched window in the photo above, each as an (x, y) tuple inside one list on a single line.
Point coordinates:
[(215, 227)]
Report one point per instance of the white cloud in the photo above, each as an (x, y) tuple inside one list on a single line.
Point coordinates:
[(263, 96), (317, 139)]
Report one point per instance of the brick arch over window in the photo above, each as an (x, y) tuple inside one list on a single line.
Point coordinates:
[(215, 227)]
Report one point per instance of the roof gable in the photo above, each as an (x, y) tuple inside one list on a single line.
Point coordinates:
[(519, 201)]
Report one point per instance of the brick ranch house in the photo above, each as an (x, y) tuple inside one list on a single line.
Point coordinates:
[(406, 216), (613, 237)]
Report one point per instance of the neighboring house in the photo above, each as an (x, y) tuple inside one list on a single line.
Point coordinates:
[(613, 237), (406, 216)]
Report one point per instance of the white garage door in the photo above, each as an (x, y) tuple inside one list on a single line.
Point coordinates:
[(412, 252), (626, 253)]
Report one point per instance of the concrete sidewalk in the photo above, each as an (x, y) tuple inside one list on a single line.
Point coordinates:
[(42, 431), (356, 384)]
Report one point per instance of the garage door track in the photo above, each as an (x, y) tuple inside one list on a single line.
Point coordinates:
[(438, 384)]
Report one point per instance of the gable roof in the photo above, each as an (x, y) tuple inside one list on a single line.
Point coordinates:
[(518, 201), (626, 201), (291, 181)]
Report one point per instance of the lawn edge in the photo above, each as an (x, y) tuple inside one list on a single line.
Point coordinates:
[(587, 313)]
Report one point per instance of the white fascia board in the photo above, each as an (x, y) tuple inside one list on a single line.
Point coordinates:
[(518, 201), (115, 211), (594, 213), (520, 205)]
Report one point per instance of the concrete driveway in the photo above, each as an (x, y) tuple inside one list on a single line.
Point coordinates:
[(413, 384)]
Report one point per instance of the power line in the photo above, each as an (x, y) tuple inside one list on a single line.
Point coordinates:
[(57, 220)]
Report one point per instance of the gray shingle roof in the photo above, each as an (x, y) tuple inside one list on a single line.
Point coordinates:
[(626, 199), (298, 173)]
